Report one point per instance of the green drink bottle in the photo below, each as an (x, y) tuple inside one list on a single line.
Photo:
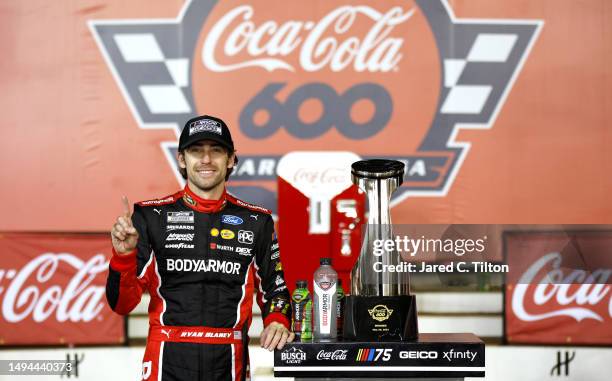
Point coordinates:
[(301, 303), (340, 309)]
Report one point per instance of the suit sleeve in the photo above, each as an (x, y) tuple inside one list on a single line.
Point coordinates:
[(128, 275), (272, 293)]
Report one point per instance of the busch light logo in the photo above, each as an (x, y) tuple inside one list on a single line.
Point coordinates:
[(230, 219), (293, 356), (322, 73)]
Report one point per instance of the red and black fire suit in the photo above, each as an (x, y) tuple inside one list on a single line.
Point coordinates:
[(200, 261)]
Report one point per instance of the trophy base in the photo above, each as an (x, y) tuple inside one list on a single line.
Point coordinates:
[(380, 318)]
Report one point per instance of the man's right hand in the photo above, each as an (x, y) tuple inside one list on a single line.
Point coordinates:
[(123, 233)]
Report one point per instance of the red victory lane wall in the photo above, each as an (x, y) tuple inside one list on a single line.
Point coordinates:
[(52, 290), (559, 289)]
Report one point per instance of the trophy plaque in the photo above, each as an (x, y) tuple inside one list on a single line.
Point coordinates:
[(380, 307)]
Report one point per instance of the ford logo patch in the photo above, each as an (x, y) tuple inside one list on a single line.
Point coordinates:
[(232, 220)]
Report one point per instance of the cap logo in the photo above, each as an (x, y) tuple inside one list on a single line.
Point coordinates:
[(204, 125)]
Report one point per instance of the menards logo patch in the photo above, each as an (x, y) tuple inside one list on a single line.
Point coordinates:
[(393, 79)]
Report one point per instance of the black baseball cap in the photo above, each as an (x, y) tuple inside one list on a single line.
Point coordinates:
[(206, 127)]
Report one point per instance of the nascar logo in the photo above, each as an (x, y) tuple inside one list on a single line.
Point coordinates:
[(374, 354)]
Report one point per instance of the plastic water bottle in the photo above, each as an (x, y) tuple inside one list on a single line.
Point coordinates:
[(325, 302), (301, 312)]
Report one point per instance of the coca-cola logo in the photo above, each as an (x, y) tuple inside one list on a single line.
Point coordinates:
[(571, 293), (338, 354), (327, 42), (320, 177), (33, 291)]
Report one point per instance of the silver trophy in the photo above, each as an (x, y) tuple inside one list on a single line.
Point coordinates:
[(380, 306)]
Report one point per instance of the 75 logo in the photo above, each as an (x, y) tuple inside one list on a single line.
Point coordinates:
[(374, 354)]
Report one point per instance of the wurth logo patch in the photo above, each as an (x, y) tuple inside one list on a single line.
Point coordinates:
[(474, 64)]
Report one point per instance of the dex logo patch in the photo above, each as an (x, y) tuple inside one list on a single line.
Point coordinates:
[(322, 73)]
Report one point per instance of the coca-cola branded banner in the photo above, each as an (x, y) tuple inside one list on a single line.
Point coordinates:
[(559, 288), (52, 290)]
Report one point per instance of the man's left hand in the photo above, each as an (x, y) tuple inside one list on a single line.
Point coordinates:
[(275, 335)]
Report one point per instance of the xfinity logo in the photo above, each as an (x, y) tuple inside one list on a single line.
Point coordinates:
[(467, 354), (293, 356)]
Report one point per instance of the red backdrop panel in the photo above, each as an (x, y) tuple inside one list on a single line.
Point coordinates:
[(559, 288), (52, 290)]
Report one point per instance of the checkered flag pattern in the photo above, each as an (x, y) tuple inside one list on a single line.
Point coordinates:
[(140, 48), (466, 98)]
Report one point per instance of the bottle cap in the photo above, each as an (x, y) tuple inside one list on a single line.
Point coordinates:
[(325, 261), (301, 283), (339, 282)]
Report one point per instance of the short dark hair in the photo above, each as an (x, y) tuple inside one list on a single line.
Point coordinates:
[(183, 171)]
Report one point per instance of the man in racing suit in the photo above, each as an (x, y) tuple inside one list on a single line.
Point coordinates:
[(200, 253)]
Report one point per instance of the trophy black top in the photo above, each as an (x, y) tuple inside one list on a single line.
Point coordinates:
[(378, 169)]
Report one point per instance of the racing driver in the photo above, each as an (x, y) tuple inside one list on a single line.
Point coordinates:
[(200, 253)]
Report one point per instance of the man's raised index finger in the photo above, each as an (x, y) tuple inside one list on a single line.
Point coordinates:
[(126, 206)]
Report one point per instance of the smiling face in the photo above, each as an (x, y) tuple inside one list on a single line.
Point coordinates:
[(206, 163)]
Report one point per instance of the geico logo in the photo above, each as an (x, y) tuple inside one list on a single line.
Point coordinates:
[(202, 265), (418, 355)]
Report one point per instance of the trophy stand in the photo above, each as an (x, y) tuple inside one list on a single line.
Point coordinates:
[(380, 307), (381, 338)]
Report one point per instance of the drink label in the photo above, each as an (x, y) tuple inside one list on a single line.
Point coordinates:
[(340, 311), (302, 305), (324, 312)]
